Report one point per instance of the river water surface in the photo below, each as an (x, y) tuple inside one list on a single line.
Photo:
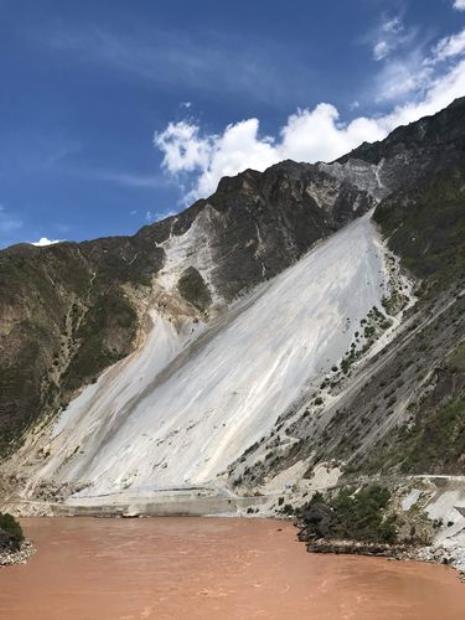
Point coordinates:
[(120, 569)]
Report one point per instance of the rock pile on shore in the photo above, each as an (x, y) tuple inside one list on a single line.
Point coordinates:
[(10, 556), (355, 547)]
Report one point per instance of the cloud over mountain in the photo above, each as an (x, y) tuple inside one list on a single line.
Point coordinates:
[(199, 159)]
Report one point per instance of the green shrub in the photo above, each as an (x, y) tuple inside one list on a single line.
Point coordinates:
[(361, 516), (11, 526)]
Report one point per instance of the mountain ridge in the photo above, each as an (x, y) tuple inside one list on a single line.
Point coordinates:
[(102, 303)]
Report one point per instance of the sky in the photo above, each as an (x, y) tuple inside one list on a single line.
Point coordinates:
[(114, 114)]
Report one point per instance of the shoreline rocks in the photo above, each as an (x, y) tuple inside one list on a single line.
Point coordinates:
[(9, 557), (429, 554), (353, 547)]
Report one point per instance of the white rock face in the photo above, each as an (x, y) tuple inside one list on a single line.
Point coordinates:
[(177, 412), (367, 177), (192, 249)]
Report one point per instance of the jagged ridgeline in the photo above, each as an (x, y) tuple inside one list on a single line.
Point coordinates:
[(306, 315)]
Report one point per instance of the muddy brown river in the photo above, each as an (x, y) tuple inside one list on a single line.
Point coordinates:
[(121, 569)]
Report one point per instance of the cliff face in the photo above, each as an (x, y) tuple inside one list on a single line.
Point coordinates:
[(70, 310), (245, 354), (66, 312), (416, 152), (400, 410)]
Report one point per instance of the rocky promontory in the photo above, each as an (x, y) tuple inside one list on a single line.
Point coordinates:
[(14, 548)]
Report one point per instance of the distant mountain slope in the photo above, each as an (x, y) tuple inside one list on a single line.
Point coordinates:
[(346, 360)]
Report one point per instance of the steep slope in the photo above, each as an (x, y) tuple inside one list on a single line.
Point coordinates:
[(70, 310), (402, 411), (66, 312), (258, 358), (178, 413), (414, 153)]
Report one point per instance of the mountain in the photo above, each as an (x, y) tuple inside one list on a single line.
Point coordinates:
[(301, 326), (70, 310)]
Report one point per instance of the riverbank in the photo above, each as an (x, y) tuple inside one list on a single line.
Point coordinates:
[(436, 503), (17, 556), (453, 556), (353, 547), (395, 552)]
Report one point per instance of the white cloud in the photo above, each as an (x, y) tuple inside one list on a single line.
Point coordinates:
[(308, 135), (381, 50), (44, 241), (392, 26), (400, 77), (450, 47), (312, 135), (201, 159), (239, 147), (128, 179), (388, 37), (416, 72), (441, 92), (459, 5), (183, 149)]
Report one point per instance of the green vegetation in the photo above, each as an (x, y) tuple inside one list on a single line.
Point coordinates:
[(393, 304), (374, 325), (106, 333), (12, 528), (456, 361), (61, 301), (426, 227), (437, 440), (348, 515), (194, 290), (433, 443)]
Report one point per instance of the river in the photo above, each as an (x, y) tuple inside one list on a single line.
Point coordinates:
[(211, 568)]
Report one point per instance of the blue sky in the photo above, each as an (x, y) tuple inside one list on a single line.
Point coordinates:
[(221, 85)]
